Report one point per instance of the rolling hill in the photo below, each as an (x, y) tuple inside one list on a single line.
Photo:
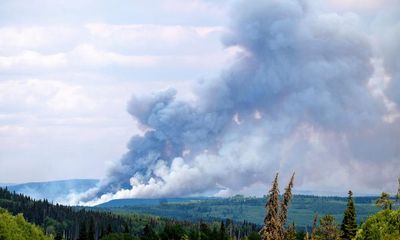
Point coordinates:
[(239, 208), (54, 191)]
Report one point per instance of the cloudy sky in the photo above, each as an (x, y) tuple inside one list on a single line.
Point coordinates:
[(68, 69), (173, 97)]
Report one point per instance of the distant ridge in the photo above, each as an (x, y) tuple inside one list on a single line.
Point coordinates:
[(239, 208), (126, 202), (6, 184), (56, 191)]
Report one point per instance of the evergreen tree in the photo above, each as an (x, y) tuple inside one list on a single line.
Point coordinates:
[(83, 234), (306, 237), (149, 233), (109, 229), (398, 191), (58, 236), (126, 228), (328, 229), (222, 232), (185, 237), (349, 224), (91, 230), (384, 201), (271, 229), (254, 236), (276, 217), (291, 232), (287, 196), (314, 227)]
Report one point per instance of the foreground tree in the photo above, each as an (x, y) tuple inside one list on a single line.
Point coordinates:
[(276, 215), (291, 233), (398, 191), (271, 227), (383, 225), (349, 224), (384, 201), (253, 236), (327, 229), (83, 233), (283, 212), (17, 228)]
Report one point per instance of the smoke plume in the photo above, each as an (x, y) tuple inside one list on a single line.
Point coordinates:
[(308, 92)]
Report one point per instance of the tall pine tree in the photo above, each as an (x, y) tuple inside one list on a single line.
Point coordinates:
[(83, 233), (349, 224), (283, 212), (271, 229), (91, 230), (291, 232), (398, 191), (276, 217)]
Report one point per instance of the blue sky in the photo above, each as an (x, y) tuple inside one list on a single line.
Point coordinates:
[(254, 88)]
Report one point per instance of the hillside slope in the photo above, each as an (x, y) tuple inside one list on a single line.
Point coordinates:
[(54, 191), (240, 209)]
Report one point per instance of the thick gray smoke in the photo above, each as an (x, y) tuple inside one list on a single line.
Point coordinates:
[(305, 94)]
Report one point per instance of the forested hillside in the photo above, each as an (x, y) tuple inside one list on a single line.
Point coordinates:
[(56, 191), (241, 208), (70, 223), (61, 220)]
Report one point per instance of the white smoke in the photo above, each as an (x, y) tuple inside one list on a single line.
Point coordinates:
[(311, 92)]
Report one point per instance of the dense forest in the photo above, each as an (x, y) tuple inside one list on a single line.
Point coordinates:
[(70, 223), (240, 208), (22, 217)]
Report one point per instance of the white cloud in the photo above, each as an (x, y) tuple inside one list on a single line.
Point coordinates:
[(34, 95), (31, 59), (68, 70), (171, 39), (88, 55), (36, 37)]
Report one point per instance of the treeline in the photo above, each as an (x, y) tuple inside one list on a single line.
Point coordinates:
[(251, 209), (72, 223), (63, 222)]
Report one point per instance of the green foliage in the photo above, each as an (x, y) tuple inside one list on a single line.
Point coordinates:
[(119, 236), (398, 191), (17, 228), (172, 231), (149, 233), (65, 221), (254, 236), (383, 225), (327, 229), (83, 233), (291, 232), (251, 209), (222, 232), (384, 201), (349, 224)]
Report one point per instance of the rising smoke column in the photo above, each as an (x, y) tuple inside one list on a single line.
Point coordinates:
[(297, 98)]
